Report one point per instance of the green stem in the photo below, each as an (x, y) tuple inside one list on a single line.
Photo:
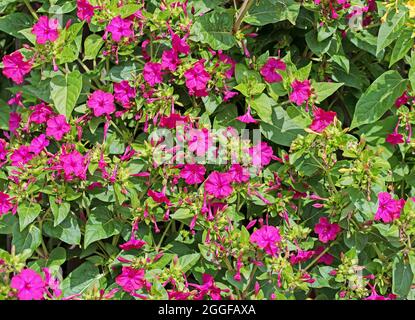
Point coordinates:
[(163, 235), (32, 11), (319, 256), (251, 277), (241, 14)]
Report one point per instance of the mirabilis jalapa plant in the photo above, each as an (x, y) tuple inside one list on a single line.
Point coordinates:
[(254, 149)]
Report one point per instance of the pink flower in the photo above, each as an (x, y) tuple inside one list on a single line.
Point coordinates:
[(41, 113), (375, 296), (131, 279), (15, 68), (199, 141), (261, 154), (197, 79), (21, 156), (179, 45), (321, 119), (173, 120), (3, 150), (169, 60), (225, 59), (46, 30), (29, 285), (193, 173), (395, 138), (238, 173), (85, 10), (208, 288), (247, 117), (389, 209), (14, 121), (219, 184), (132, 244), (159, 197), (38, 144), (73, 164), (5, 204), (403, 99), (123, 93), (267, 238), (101, 103), (120, 28), (268, 71), (326, 231), (301, 256), (152, 73), (57, 127), (326, 258), (301, 91)]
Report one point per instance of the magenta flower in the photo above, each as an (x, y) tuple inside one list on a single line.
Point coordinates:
[(261, 154), (326, 258), (173, 120), (326, 231), (219, 184), (131, 279), (179, 44), (3, 150), (101, 103), (123, 93), (247, 117), (269, 70), (159, 197), (14, 121), (38, 144), (15, 67), (29, 285), (41, 113), (199, 141), (193, 173), (169, 60), (225, 59), (301, 256), (132, 244), (395, 138), (208, 288), (267, 238), (321, 119), (85, 11), (57, 127), (73, 164), (197, 79), (46, 30), (120, 28), (21, 156), (301, 91), (389, 209), (238, 173), (152, 73), (403, 99), (5, 204)]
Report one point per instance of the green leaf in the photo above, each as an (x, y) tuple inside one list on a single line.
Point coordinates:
[(27, 212), (402, 46), (283, 128), (68, 231), (65, 90), (30, 238), (402, 277), (263, 104), (215, 29), (182, 214), (100, 225), (188, 261), (411, 74), (57, 257), (80, 279), (14, 22), (378, 98), (271, 11), (92, 45), (389, 30), (59, 211), (4, 115), (324, 90)]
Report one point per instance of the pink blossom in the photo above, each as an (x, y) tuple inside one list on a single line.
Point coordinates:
[(21, 156), (225, 59), (389, 209), (120, 28), (73, 164), (403, 99), (15, 67), (29, 285), (131, 279), (267, 238), (261, 154), (132, 244), (395, 138), (208, 288), (159, 197), (197, 79), (247, 117), (375, 296), (152, 73), (101, 103), (269, 70), (46, 30), (179, 44), (193, 173), (199, 141), (326, 231), (173, 120), (38, 144), (219, 184), (57, 127), (41, 113), (301, 256), (169, 60), (85, 10), (238, 173), (123, 93), (5, 204), (301, 91), (321, 119), (14, 121), (326, 258), (3, 150)]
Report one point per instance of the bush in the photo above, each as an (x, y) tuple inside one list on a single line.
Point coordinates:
[(207, 149)]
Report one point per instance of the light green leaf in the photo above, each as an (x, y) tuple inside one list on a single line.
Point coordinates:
[(14, 22), (100, 225), (263, 104), (27, 212), (92, 45), (68, 230), (271, 11), (389, 30), (30, 238), (59, 211), (80, 279), (188, 261), (324, 90), (402, 277)]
